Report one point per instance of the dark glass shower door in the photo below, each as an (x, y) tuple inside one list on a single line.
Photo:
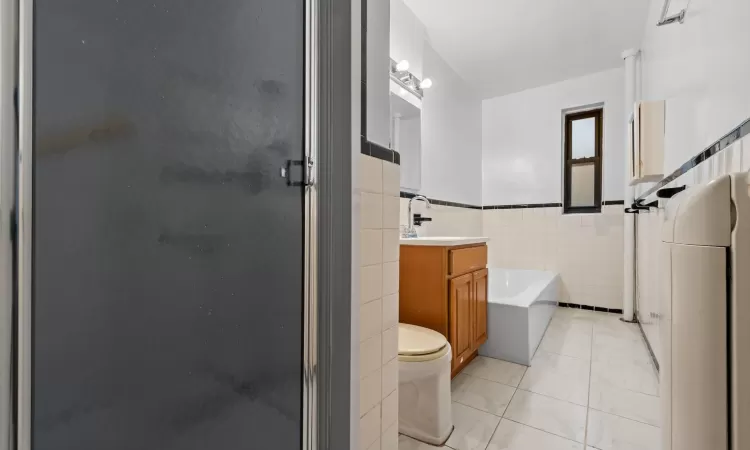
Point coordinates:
[(167, 247)]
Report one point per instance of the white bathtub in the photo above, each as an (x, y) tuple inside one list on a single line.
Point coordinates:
[(520, 306)]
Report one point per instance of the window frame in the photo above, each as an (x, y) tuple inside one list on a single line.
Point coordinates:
[(598, 115)]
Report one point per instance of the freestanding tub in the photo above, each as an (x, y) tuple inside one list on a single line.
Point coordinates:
[(520, 305)]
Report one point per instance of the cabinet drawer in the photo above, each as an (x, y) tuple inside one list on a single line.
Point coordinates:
[(467, 259)]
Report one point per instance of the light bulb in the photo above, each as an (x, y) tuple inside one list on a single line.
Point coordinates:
[(425, 84), (402, 66)]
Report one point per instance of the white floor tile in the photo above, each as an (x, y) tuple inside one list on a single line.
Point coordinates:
[(634, 376), (472, 428), (618, 349), (619, 342), (479, 393), (622, 402), (562, 377), (548, 414), (495, 370), (567, 341), (569, 320), (515, 436), (608, 432)]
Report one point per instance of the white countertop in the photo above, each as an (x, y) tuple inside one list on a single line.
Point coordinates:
[(444, 241)]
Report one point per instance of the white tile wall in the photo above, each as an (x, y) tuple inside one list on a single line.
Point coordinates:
[(390, 376), (389, 410), (390, 311), (390, 344), (391, 245), (369, 428), (370, 393), (735, 158), (371, 282), (378, 321), (585, 249), (371, 242), (446, 220), (390, 277), (370, 319), (370, 355), (390, 438), (391, 211), (371, 214)]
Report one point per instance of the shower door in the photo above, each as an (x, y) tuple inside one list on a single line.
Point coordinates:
[(163, 224)]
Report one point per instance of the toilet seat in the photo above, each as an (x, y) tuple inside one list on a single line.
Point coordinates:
[(418, 344)]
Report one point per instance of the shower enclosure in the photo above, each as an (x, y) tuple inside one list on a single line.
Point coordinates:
[(167, 254)]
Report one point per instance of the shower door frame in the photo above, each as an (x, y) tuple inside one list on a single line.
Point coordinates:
[(327, 297), (8, 131)]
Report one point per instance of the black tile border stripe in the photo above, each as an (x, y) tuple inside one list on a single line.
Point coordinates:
[(526, 206), (728, 139), (379, 152), (442, 202), (589, 308)]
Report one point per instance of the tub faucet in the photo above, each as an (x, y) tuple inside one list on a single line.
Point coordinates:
[(411, 232)]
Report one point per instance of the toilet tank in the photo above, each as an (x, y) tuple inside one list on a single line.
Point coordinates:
[(704, 300)]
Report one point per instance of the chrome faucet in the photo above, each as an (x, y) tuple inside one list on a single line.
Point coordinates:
[(411, 232)]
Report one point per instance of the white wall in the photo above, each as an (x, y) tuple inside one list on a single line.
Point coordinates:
[(701, 68), (452, 135), (451, 115), (407, 37), (522, 139), (409, 146), (378, 66)]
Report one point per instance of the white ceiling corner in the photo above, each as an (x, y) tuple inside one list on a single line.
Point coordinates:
[(505, 46)]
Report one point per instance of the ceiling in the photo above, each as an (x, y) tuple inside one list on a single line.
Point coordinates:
[(504, 46)]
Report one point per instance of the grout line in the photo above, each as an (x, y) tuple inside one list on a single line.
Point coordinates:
[(487, 379), (481, 410), (553, 398), (588, 400), (543, 431), (626, 418)]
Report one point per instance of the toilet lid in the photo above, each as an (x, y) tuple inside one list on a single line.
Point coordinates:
[(414, 340)]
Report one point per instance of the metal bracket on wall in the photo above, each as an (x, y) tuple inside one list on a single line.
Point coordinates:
[(670, 192), (679, 17), (639, 206)]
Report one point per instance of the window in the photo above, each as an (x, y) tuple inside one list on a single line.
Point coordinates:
[(583, 162)]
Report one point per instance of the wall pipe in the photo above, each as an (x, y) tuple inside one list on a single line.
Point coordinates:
[(628, 295)]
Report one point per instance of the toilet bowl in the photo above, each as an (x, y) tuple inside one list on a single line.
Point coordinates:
[(424, 378)]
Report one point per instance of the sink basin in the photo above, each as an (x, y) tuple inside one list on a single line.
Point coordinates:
[(443, 241)]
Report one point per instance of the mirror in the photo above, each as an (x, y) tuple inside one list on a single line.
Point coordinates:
[(406, 137)]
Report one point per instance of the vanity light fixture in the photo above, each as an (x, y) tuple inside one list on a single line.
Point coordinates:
[(402, 66), (401, 75)]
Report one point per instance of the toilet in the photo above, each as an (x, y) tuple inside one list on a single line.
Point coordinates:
[(424, 378)]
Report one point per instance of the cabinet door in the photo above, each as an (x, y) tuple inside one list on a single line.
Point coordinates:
[(480, 307), (461, 292)]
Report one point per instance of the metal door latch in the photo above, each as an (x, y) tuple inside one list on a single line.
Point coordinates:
[(307, 174)]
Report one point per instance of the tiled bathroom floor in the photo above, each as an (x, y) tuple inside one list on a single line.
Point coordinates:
[(591, 386)]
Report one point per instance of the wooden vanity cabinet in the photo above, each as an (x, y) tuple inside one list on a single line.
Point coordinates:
[(445, 289)]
